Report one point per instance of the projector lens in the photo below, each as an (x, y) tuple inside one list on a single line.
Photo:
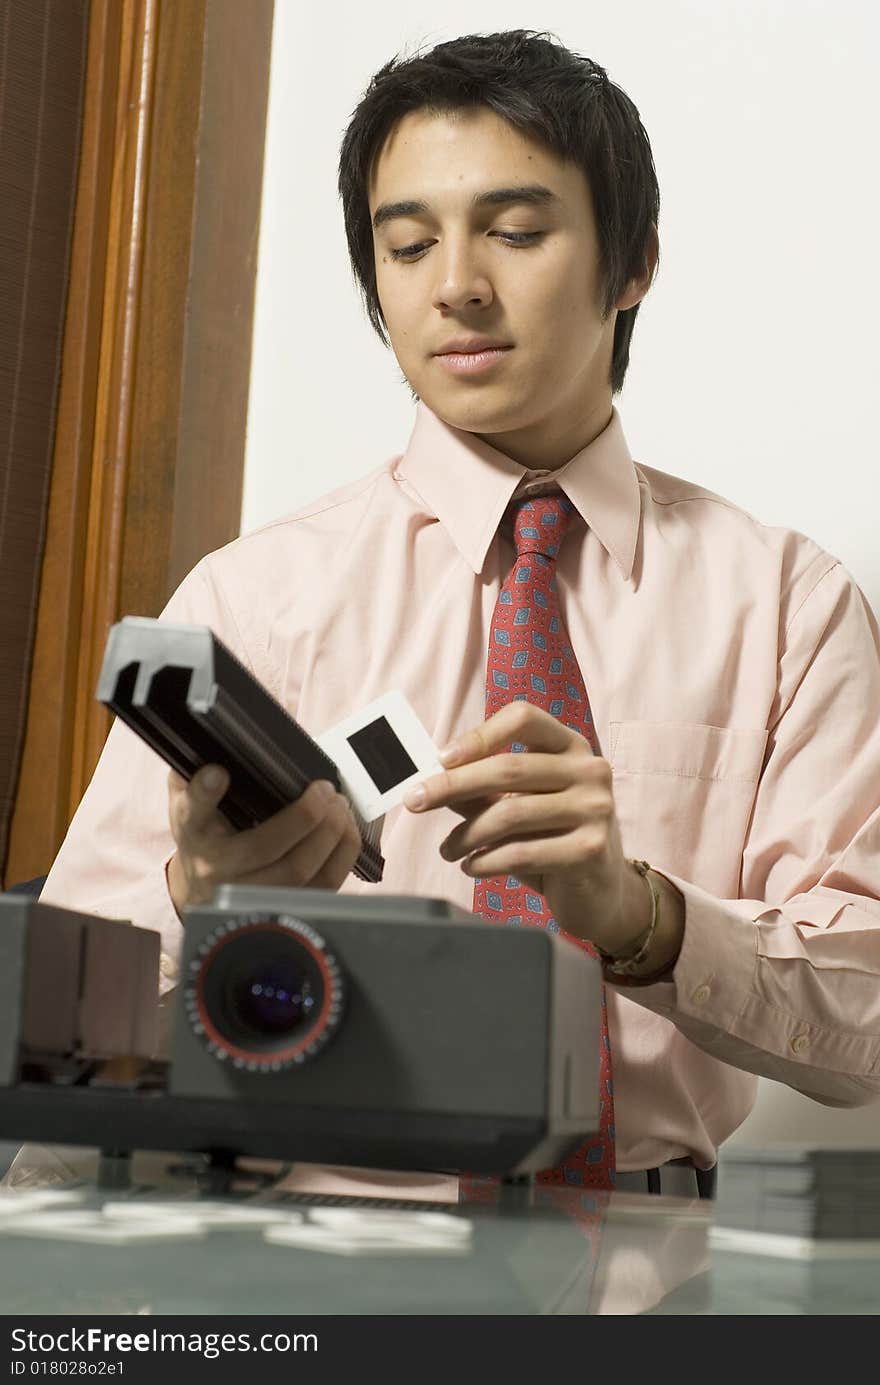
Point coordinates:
[(273, 997), (265, 991)]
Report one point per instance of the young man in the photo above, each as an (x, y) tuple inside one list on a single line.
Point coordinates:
[(720, 712)]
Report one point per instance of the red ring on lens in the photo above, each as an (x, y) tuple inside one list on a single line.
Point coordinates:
[(319, 1026)]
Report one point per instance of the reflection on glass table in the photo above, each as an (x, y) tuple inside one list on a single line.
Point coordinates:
[(404, 1245), (166, 1235)]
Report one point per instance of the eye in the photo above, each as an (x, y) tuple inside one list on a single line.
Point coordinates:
[(509, 237)]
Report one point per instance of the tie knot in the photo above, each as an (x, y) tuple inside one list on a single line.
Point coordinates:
[(540, 524)]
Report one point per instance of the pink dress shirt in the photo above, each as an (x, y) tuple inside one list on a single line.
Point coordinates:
[(733, 669)]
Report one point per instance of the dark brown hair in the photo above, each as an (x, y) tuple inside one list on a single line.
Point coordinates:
[(549, 93)]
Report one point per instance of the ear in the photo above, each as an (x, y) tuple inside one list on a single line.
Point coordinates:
[(638, 287)]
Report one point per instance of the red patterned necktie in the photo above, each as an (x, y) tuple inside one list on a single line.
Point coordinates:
[(531, 660)]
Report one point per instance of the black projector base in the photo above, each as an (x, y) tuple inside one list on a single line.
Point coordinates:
[(130, 1119)]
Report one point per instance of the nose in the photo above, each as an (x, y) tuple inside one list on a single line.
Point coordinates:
[(461, 278)]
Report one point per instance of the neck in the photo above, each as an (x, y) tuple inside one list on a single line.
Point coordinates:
[(548, 445)]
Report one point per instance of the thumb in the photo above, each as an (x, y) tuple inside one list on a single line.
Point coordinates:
[(211, 782), (194, 804)]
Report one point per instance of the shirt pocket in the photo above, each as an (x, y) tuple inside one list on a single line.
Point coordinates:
[(684, 793)]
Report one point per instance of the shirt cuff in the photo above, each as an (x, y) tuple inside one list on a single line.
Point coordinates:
[(718, 997), (714, 973)]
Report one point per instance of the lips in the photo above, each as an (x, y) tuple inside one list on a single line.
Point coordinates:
[(468, 346), (472, 363)]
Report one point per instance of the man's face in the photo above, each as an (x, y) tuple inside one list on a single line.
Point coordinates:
[(466, 273)]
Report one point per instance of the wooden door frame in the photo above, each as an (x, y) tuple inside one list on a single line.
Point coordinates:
[(152, 408)]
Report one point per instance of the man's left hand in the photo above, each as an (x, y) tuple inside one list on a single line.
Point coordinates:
[(546, 817)]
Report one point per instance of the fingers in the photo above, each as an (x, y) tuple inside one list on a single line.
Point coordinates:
[(517, 721), (311, 842), (319, 812), (193, 806), (518, 816), (544, 854), (320, 860), (502, 775), (200, 829), (340, 862)]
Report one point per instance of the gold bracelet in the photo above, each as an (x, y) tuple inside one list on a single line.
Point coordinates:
[(624, 966)]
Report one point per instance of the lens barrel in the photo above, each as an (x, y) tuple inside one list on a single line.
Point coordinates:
[(264, 992)]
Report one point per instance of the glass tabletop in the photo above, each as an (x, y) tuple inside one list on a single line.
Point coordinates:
[(174, 1237)]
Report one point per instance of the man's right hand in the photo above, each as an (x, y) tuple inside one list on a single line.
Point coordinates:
[(313, 842)]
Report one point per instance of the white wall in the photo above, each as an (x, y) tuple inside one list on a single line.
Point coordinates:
[(754, 355)]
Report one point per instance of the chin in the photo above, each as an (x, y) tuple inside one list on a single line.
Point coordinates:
[(477, 414)]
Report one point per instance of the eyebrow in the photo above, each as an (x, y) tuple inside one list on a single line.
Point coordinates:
[(533, 193)]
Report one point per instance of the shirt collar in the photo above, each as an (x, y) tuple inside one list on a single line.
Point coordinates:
[(467, 485)]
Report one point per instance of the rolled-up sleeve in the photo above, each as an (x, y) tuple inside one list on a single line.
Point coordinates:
[(785, 980)]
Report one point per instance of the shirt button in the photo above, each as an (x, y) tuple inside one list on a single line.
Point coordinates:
[(701, 994), (167, 966), (800, 1042)]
